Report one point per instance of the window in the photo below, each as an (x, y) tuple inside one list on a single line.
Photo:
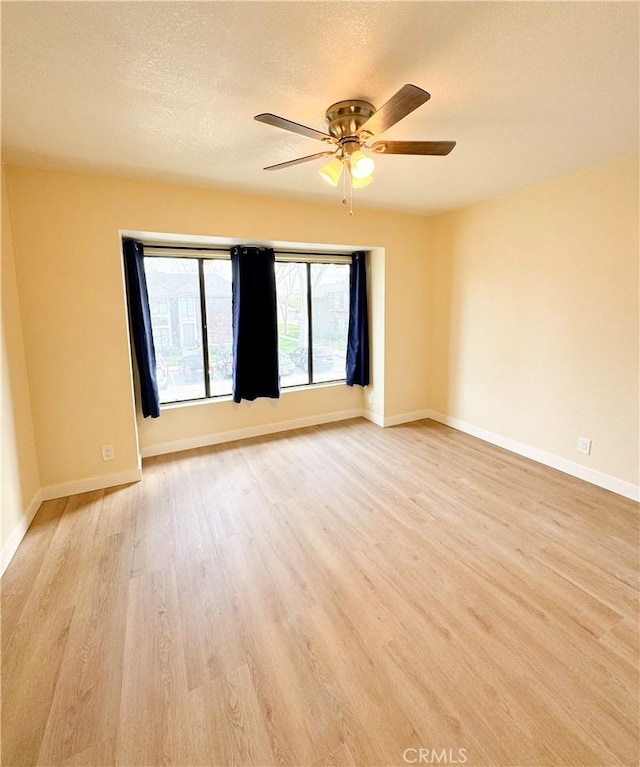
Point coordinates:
[(187, 306), (329, 291), (312, 351), (178, 331), (293, 323), (190, 300), (161, 338), (218, 297)]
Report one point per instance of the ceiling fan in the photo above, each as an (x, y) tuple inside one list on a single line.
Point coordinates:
[(353, 123)]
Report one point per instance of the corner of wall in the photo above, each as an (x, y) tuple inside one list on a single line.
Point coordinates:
[(21, 494)]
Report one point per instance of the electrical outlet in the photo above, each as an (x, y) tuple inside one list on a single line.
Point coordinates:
[(584, 445), (108, 453)]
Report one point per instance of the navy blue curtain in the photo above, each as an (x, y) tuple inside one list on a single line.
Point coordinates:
[(255, 324), (358, 337), (140, 320)]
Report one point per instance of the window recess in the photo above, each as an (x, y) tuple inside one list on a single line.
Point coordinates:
[(193, 334)]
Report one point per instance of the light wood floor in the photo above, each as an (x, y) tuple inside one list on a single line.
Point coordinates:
[(331, 596)]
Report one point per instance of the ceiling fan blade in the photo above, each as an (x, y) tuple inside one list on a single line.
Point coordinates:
[(288, 163), (413, 147), (303, 130), (402, 103)]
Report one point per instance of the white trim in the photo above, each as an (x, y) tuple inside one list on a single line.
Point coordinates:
[(373, 417), (152, 239), (606, 481), (396, 420), (19, 531), (205, 440), (619, 486), (91, 483)]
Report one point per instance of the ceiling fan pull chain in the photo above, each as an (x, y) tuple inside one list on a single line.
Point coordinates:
[(344, 186), (350, 193)]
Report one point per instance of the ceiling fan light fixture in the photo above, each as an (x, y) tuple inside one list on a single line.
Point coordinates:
[(358, 183), (362, 166), (332, 171), (351, 124)]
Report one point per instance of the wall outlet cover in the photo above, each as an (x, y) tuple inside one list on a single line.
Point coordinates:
[(584, 445), (108, 453)]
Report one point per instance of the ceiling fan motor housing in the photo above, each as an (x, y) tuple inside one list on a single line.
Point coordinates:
[(345, 118)]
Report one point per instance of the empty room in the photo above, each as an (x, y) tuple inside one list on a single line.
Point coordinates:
[(320, 383)]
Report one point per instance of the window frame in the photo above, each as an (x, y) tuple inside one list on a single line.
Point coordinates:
[(202, 254)]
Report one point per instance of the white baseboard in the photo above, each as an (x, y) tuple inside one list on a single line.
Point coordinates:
[(11, 546), (373, 417), (396, 420), (619, 486), (626, 489), (91, 483), (189, 443)]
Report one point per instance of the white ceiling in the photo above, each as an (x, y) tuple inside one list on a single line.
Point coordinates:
[(529, 90)]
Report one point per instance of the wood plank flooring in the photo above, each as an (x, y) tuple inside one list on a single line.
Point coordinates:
[(339, 595)]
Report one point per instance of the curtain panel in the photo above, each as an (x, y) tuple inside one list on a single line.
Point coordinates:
[(358, 333), (140, 321), (255, 324)]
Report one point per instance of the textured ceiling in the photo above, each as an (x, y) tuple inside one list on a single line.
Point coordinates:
[(529, 90)]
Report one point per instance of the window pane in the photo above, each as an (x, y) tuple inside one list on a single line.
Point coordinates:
[(330, 307), (293, 325), (217, 289), (173, 285)]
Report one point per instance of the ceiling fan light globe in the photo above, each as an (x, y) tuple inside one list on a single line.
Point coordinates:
[(358, 183), (332, 171), (362, 166)]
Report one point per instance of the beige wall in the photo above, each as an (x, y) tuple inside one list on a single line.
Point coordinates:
[(518, 315), (534, 323), (68, 262), (20, 481)]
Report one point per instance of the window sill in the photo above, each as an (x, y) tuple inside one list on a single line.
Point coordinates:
[(228, 397)]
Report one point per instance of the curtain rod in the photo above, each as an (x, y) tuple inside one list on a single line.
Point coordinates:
[(212, 249)]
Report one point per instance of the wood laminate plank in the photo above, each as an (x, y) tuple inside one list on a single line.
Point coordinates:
[(328, 596), (153, 726), (86, 704), (30, 668), (18, 580), (57, 584), (101, 754), (341, 757), (228, 723)]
